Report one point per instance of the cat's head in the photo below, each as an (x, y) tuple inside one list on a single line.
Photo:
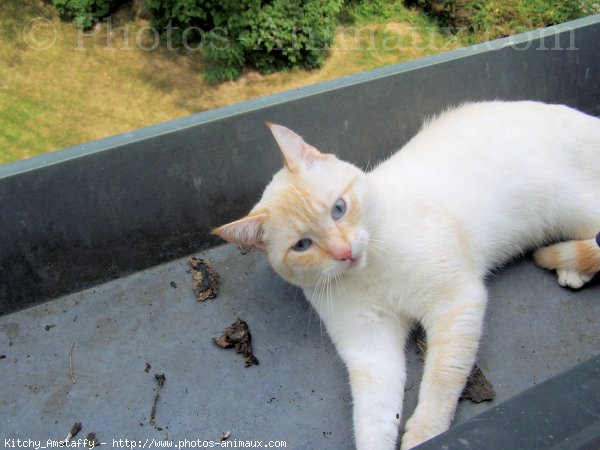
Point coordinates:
[(312, 217)]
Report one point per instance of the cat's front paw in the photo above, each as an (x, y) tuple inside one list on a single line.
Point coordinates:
[(410, 441), (416, 432)]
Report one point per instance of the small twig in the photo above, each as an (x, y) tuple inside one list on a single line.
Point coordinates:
[(76, 428), (160, 380), (71, 362), (224, 436)]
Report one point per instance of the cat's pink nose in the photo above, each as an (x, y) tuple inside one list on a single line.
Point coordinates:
[(342, 252)]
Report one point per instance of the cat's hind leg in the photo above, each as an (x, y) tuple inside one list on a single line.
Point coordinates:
[(575, 262)]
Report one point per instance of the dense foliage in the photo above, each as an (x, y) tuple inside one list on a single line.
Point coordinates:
[(271, 35), (267, 34), (502, 18), (84, 12)]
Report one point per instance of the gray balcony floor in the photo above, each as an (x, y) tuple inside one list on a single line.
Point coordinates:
[(299, 392)]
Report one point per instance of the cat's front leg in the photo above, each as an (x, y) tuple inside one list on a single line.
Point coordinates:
[(372, 347), (453, 326)]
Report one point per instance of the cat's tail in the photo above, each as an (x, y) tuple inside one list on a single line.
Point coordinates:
[(575, 262)]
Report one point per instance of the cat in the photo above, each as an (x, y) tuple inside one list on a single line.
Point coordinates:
[(412, 240)]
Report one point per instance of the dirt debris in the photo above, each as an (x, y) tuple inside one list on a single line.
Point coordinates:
[(238, 335), (76, 428), (478, 388), (205, 279), (91, 440), (71, 363), (421, 348), (244, 250), (160, 381), (418, 335), (224, 436)]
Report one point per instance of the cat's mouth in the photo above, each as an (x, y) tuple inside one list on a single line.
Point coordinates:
[(358, 254), (356, 262), (353, 262)]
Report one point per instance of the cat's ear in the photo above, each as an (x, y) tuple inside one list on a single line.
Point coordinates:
[(296, 152), (247, 231)]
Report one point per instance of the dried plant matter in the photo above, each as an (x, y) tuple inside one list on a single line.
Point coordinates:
[(91, 440), (76, 428), (478, 388), (238, 335), (160, 380), (206, 280)]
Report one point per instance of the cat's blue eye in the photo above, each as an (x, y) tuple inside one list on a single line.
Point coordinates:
[(302, 245), (339, 209)]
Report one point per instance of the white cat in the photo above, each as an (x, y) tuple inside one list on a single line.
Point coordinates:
[(413, 239)]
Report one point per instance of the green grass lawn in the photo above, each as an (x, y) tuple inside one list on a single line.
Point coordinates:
[(90, 85), (61, 87)]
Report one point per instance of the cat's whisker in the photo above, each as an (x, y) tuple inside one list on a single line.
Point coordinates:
[(329, 295), (368, 165), (377, 243), (374, 235), (311, 313), (328, 275), (379, 249), (325, 294), (374, 252), (318, 297), (319, 288), (340, 282)]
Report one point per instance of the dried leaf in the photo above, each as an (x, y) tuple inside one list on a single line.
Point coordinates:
[(205, 279), (91, 440), (478, 388), (238, 335)]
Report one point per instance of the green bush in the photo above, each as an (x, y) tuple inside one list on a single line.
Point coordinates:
[(84, 12), (267, 34), (504, 17), (377, 11)]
